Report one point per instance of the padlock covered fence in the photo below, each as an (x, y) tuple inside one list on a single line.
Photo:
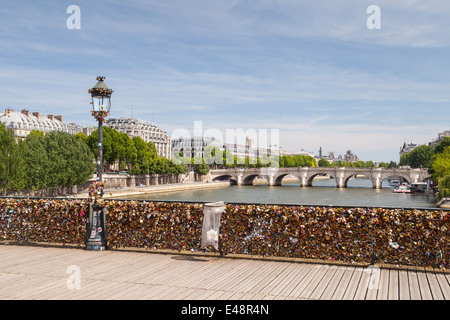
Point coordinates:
[(410, 237)]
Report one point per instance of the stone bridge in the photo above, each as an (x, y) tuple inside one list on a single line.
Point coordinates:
[(306, 175)]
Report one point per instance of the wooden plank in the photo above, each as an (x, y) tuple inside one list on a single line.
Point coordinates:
[(215, 295), (295, 277), (311, 286), (260, 285), (215, 279), (41, 273), (159, 275), (224, 295), (342, 286), (363, 287), (393, 285), (154, 292), (205, 294), (288, 278), (434, 286), (444, 284), (404, 289), (373, 284), (257, 273), (137, 291), (425, 290), (276, 277), (383, 290), (323, 285), (179, 293), (414, 288), (212, 276), (353, 285), (232, 277), (310, 271)]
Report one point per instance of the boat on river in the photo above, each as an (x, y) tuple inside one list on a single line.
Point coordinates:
[(403, 188)]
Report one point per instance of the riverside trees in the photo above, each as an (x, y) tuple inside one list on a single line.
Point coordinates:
[(131, 154), (42, 161)]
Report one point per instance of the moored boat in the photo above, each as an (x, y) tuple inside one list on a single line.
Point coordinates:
[(404, 188)]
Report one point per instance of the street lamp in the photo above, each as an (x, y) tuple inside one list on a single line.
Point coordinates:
[(101, 104), (95, 238)]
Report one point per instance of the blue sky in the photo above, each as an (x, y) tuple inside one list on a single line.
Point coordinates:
[(311, 69)]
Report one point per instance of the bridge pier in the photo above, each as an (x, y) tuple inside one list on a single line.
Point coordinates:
[(239, 180), (340, 177)]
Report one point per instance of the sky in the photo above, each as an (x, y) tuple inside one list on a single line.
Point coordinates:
[(313, 70)]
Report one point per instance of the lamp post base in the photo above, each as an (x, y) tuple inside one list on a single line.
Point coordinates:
[(96, 229)]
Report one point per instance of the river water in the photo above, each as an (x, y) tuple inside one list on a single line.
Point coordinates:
[(323, 192)]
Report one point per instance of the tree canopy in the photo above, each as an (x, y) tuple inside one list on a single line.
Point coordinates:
[(42, 161)]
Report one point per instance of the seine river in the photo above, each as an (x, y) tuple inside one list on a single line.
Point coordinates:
[(323, 192)]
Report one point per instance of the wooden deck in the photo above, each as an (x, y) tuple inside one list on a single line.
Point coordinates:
[(49, 273)]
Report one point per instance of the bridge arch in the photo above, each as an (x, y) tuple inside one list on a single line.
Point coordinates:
[(310, 178), (226, 177), (407, 178), (279, 179), (354, 175), (249, 179)]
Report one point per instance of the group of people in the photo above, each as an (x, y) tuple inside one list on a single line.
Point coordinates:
[(363, 235)]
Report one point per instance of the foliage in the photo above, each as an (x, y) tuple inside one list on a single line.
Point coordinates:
[(420, 157), (12, 165), (67, 162), (324, 163), (133, 154), (41, 161), (440, 166), (439, 148)]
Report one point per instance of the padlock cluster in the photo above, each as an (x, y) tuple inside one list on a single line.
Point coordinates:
[(350, 235), (391, 236)]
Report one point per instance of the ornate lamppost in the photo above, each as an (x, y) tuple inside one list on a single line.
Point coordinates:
[(101, 104), (96, 220)]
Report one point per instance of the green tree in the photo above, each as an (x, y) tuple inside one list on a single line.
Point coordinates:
[(12, 164), (420, 157), (143, 160), (70, 160), (440, 166), (324, 163), (213, 155), (370, 164), (439, 147), (127, 150), (37, 163), (80, 136), (392, 164)]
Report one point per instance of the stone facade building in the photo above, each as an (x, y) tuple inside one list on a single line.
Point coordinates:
[(22, 123), (147, 131)]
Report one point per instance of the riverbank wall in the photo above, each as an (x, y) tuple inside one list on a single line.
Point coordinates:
[(397, 237)]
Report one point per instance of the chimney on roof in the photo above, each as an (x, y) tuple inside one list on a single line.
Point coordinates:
[(50, 116), (59, 118), (8, 111), (36, 114), (26, 112)]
